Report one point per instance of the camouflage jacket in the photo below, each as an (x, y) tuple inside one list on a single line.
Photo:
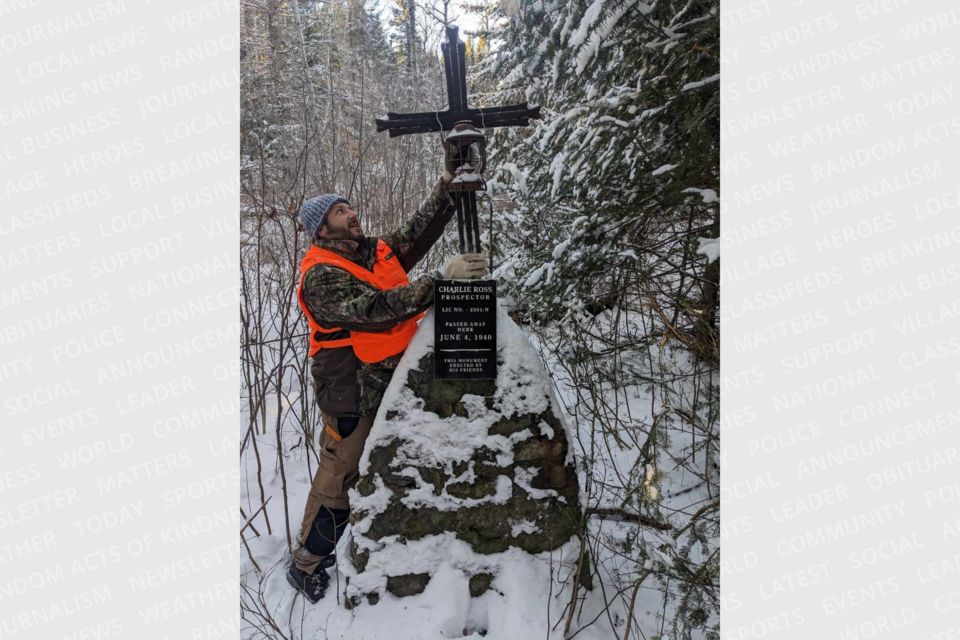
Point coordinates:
[(344, 384)]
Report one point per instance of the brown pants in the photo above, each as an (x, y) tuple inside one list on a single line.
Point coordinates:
[(339, 472)]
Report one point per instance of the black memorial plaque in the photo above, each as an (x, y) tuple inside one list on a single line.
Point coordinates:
[(465, 329)]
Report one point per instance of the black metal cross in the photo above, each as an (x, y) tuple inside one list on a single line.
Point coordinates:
[(459, 109)]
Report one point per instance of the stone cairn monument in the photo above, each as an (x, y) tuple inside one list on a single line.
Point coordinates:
[(458, 469), (469, 454)]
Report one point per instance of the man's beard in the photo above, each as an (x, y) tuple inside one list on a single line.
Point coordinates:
[(349, 231)]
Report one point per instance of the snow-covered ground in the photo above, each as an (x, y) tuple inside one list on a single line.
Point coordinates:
[(530, 594)]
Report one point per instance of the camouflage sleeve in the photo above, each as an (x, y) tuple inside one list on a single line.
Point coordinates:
[(337, 299), (412, 241)]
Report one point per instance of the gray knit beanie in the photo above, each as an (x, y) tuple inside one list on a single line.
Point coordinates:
[(314, 211)]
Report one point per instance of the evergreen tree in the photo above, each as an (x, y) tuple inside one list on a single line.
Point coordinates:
[(620, 88), (409, 46), (602, 205), (485, 11)]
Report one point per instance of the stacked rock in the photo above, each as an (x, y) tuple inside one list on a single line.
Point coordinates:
[(460, 471)]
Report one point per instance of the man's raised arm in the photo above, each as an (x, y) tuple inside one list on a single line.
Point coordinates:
[(412, 241)]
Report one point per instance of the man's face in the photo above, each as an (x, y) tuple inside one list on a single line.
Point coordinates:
[(341, 223)]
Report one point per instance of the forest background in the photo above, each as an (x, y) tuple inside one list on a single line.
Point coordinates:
[(603, 219)]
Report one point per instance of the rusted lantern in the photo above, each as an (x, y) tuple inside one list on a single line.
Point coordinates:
[(466, 157)]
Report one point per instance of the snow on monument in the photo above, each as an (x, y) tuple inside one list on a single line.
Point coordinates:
[(461, 471)]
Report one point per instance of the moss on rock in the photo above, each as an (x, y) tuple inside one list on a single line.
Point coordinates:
[(486, 526), (408, 584), (480, 583)]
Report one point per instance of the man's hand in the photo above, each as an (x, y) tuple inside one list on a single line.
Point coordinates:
[(467, 266)]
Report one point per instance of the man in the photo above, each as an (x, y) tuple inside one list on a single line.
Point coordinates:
[(362, 312)]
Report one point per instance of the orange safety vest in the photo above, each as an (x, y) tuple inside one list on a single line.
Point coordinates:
[(387, 274)]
